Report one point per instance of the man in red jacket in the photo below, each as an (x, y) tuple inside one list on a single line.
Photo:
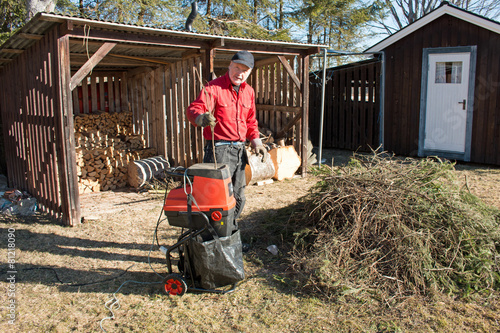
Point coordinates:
[(227, 106)]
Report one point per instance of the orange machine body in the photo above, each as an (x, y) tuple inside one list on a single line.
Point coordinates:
[(212, 191)]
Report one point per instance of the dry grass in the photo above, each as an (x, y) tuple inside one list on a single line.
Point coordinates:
[(269, 300)]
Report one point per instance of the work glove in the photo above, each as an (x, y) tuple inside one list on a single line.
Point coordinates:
[(205, 119), (259, 149)]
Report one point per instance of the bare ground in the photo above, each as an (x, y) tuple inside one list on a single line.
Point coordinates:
[(64, 276)]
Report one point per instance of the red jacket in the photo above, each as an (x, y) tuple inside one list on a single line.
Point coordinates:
[(234, 113)]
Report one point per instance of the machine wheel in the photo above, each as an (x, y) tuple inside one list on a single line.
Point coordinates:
[(174, 284)]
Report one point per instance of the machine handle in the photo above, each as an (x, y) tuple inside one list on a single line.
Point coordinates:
[(176, 172)]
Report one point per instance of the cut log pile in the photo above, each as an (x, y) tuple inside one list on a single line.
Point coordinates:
[(267, 137), (105, 144)]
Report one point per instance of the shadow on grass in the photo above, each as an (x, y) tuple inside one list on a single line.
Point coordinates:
[(76, 247), (66, 271), (105, 280), (260, 229)]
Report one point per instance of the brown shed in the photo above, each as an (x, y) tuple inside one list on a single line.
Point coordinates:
[(58, 66), (442, 91)]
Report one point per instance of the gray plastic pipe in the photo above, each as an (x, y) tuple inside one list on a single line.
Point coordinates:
[(322, 116)]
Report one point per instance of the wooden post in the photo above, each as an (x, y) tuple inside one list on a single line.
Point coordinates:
[(208, 62), (70, 197), (305, 112)]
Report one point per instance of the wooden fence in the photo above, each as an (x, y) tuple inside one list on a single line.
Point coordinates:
[(352, 107)]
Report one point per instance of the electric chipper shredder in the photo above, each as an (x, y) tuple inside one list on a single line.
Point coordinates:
[(208, 249)]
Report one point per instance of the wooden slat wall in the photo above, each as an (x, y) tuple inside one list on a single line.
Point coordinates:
[(159, 99), (101, 91), (32, 141), (3, 158), (351, 107), (403, 86), (274, 87)]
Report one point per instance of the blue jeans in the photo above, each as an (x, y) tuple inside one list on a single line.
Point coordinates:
[(235, 156)]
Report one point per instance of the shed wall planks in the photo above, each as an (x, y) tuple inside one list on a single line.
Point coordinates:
[(101, 91), (277, 100), (159, 99)]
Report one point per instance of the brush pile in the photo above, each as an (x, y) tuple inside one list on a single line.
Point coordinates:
[(397, 227)]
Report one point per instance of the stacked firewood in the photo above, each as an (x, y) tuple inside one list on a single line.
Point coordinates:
[(105, 144)]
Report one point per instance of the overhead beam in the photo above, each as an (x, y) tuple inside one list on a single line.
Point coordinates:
[(311, 50), (129, 46), (90, 64), (15, 51), (279, 108), (152, 60), (262, 48), (191, 54), (30, 36), (290, 71), (268, 61)]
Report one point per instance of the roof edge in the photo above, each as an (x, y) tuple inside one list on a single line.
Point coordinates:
[(108, 24)]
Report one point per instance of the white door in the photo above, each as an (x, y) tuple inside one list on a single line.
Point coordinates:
[(446, 108)]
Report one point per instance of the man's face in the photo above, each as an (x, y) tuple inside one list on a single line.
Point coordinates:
[(238, 73)]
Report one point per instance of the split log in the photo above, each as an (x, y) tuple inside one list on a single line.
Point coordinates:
[(142, 171), (257, 171), (286, 162)]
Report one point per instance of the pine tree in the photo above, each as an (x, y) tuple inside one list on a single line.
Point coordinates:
[(336, 23), (12, 16), (253, 19)]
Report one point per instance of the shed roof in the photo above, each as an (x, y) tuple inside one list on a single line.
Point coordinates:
[(163, 45), (444, 9)]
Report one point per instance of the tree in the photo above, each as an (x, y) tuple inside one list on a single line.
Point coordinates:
[(254, 19), (12, 16), (400, 13), (142, 12), (336, 23)]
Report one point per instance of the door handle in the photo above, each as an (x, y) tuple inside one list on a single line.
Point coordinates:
[(463, 104)]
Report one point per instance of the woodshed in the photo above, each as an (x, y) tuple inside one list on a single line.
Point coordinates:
[(57, 67)]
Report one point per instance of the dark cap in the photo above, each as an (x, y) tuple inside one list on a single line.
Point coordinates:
[(243, 57)]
